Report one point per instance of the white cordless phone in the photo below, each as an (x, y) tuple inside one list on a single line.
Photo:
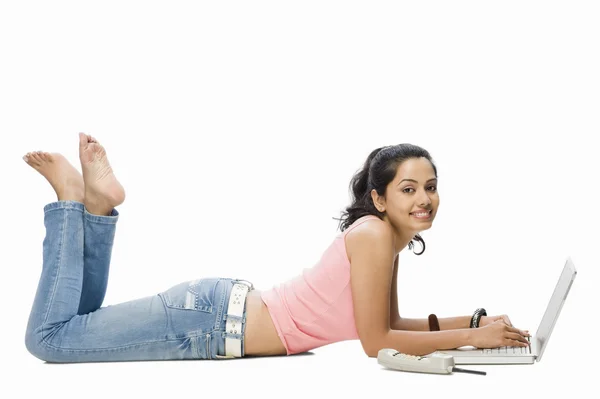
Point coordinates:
[(436, 363)]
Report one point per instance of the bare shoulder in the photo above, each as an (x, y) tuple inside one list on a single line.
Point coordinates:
[(356, 239)]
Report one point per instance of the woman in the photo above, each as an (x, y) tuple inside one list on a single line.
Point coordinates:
[(349, 294)]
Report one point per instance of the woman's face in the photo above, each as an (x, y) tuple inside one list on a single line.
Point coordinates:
[(413, 190)]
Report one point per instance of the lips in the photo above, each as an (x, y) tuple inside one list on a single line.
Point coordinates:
[(422, 216), (423, 211)]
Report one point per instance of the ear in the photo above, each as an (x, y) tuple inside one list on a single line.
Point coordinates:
[(377, 201)]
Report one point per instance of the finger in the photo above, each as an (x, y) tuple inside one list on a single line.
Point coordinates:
[(517, 337), (524, 333), (515, 330), (512, 342), (507, 320)]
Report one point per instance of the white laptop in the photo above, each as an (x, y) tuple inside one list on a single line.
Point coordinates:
[(517, 354)]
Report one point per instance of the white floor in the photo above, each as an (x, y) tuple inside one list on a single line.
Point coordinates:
[(340, 370), (235, 128)]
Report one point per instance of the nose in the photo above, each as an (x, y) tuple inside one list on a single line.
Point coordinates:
[(424, 200)]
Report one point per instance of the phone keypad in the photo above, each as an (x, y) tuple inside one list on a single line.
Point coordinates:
[(409, 357)]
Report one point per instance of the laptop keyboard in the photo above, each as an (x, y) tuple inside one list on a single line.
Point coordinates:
[(509, 350)]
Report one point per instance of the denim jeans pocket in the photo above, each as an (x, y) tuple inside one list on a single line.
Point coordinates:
[(198, 295)]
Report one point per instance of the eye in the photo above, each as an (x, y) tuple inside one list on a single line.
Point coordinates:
[(410, 188)]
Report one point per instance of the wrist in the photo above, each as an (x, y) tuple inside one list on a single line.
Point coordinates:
[(483, 321), (469, 336)]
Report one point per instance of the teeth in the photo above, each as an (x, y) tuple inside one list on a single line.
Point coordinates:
[(421, 214)]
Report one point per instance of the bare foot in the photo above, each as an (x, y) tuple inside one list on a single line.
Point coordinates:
[(66, 181), (103, 191)]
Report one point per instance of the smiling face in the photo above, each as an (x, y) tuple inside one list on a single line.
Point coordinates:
[(412, 191)]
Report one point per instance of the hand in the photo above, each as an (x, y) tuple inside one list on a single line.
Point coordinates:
[(497, 334), (485, 320)]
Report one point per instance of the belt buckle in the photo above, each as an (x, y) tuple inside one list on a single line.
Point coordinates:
[(224, 357), (240, 281)]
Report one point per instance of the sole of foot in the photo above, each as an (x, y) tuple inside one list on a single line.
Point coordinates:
[(66, 181), (103, 192)]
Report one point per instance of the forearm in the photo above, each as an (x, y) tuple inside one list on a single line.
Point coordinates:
[(447, 323), (422, 343)]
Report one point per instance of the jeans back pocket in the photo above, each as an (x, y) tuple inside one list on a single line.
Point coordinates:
[(198, 295)]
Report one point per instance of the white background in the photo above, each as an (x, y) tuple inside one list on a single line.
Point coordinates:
[(235, 128)]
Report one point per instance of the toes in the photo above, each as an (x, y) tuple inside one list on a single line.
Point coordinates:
[(86, 139), (83, 139), (31, 159), (36, 157)]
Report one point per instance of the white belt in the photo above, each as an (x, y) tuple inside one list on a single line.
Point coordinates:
[(237, 300)]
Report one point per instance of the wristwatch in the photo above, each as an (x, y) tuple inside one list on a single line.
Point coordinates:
[(477, 316)]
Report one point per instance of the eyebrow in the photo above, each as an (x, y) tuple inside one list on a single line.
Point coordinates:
[(435, 178)]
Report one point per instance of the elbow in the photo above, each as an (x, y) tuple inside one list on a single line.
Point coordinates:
[(371, 351), (373, 354), (375, 345)]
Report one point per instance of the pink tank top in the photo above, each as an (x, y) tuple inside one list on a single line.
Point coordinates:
[(315, 308)]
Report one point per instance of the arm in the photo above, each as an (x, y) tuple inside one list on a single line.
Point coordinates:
[(394, 313), (448, 323), (421, 343), (371, 270)]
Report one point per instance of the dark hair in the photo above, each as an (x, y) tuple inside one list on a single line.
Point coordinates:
[(378, 171)]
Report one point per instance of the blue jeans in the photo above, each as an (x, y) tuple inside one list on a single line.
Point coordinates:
[(68, 324)]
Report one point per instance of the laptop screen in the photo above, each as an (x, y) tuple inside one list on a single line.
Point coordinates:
[(555, 305)]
